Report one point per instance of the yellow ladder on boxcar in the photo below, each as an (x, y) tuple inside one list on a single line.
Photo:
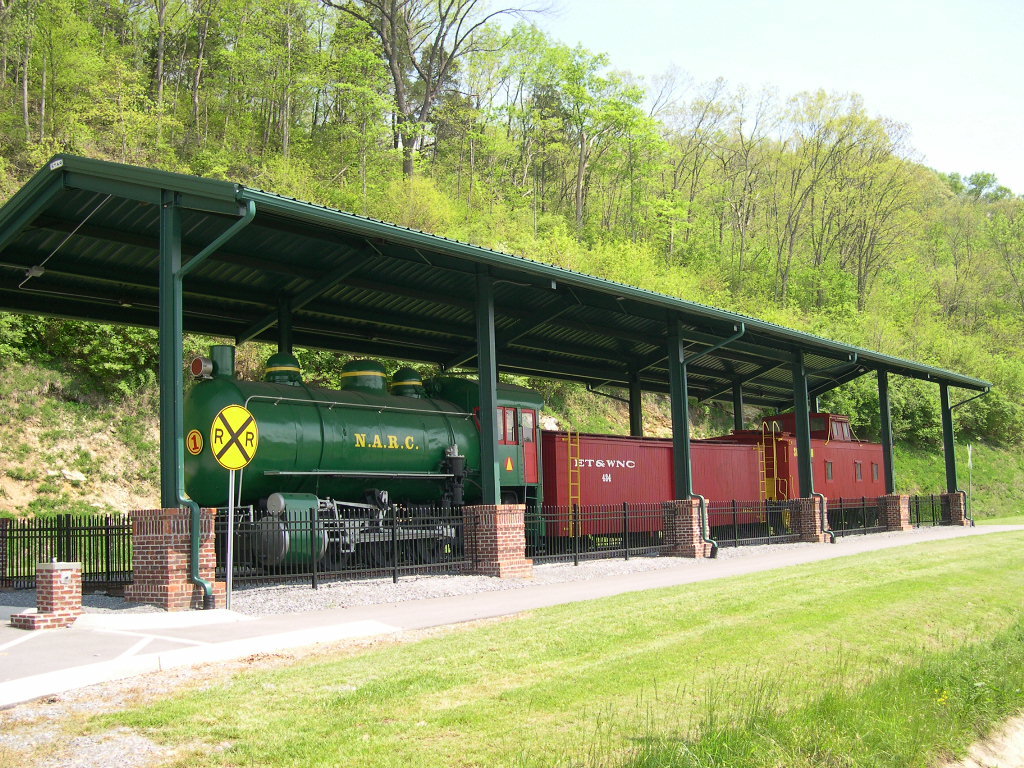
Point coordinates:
[(572, 440), (769, 475)]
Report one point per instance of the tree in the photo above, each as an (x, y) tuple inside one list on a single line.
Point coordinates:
[(421, 41)]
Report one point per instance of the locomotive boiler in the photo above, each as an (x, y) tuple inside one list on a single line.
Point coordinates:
[(348, 459)]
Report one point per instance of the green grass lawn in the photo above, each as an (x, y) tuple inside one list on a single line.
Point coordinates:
[(1008, 520), (613, 681)]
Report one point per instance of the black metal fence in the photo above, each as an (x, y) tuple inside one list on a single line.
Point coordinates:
[(932, 509), (401, 540), (848, 516), (573, 533), (101, 543), (749, 523)]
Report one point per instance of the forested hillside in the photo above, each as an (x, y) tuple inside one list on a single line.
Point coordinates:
[(802, 209)]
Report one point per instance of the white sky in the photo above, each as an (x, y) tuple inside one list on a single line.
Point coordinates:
[(953, 70)]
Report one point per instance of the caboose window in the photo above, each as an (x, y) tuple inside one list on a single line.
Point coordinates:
[(828, 470), (858, 470), (874, 471)]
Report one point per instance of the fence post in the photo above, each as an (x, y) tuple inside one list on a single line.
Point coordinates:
[(394, 546), (576, 534), (625, 527), (314, 545)]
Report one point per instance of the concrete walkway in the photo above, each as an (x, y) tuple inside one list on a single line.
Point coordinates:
[(108, 646)]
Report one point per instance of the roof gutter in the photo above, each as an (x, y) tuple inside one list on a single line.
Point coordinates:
[(183, 499)]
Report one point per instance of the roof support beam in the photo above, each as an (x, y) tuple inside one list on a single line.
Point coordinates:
[(636, 405), (737, 405), (488, 383), (801, 402), (298, 301), (24, 217), (172, 457), (885, 413), (948, 439), (517, 331), (680, 406), (743, 380), (854, 372)]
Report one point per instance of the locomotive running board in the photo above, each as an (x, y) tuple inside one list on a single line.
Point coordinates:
[(354, 473)]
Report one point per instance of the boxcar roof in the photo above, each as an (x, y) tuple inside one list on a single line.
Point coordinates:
[(81, 240)]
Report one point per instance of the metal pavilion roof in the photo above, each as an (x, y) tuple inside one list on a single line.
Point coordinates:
[(81, 240)]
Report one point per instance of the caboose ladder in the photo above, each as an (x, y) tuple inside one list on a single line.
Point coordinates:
[(767, 460)]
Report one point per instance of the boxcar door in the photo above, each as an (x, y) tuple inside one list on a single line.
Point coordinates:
[(529, 440)]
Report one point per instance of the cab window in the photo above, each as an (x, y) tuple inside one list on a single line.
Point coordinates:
[(507, 427), (528, 422)]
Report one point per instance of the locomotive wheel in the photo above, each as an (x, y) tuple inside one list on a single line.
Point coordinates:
[(428, 551), (335, 559), (377, 555)]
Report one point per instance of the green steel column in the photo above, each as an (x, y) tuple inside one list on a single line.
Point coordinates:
[(679, 400), (948, 442), (886, 423), (488, 376), (636, 406), (801, 404), (737, 405), (284, 325), (172, 458)]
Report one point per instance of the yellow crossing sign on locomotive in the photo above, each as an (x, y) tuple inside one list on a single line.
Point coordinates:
[(234, 437)]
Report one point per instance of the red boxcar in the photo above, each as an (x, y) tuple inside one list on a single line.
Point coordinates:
[(748, 465), (615, 469)]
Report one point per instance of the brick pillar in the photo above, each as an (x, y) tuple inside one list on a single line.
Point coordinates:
[(5, 583), (496, 541), (161, 549), (954, 508), (805, 516), (894, 511), (58, 597), (683, 528)]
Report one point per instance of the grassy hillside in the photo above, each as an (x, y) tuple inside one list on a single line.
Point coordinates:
[(66, 450)]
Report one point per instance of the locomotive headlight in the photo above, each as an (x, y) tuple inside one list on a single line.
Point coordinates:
[(202, 367)]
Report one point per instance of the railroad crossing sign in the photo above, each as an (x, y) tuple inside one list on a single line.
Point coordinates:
[(234, 437)]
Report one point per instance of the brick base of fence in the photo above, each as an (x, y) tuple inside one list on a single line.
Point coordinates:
[(954, 508), (683, 527), (495, 538), (894, 512), (806, 519), (162, 546), (58, 598)]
